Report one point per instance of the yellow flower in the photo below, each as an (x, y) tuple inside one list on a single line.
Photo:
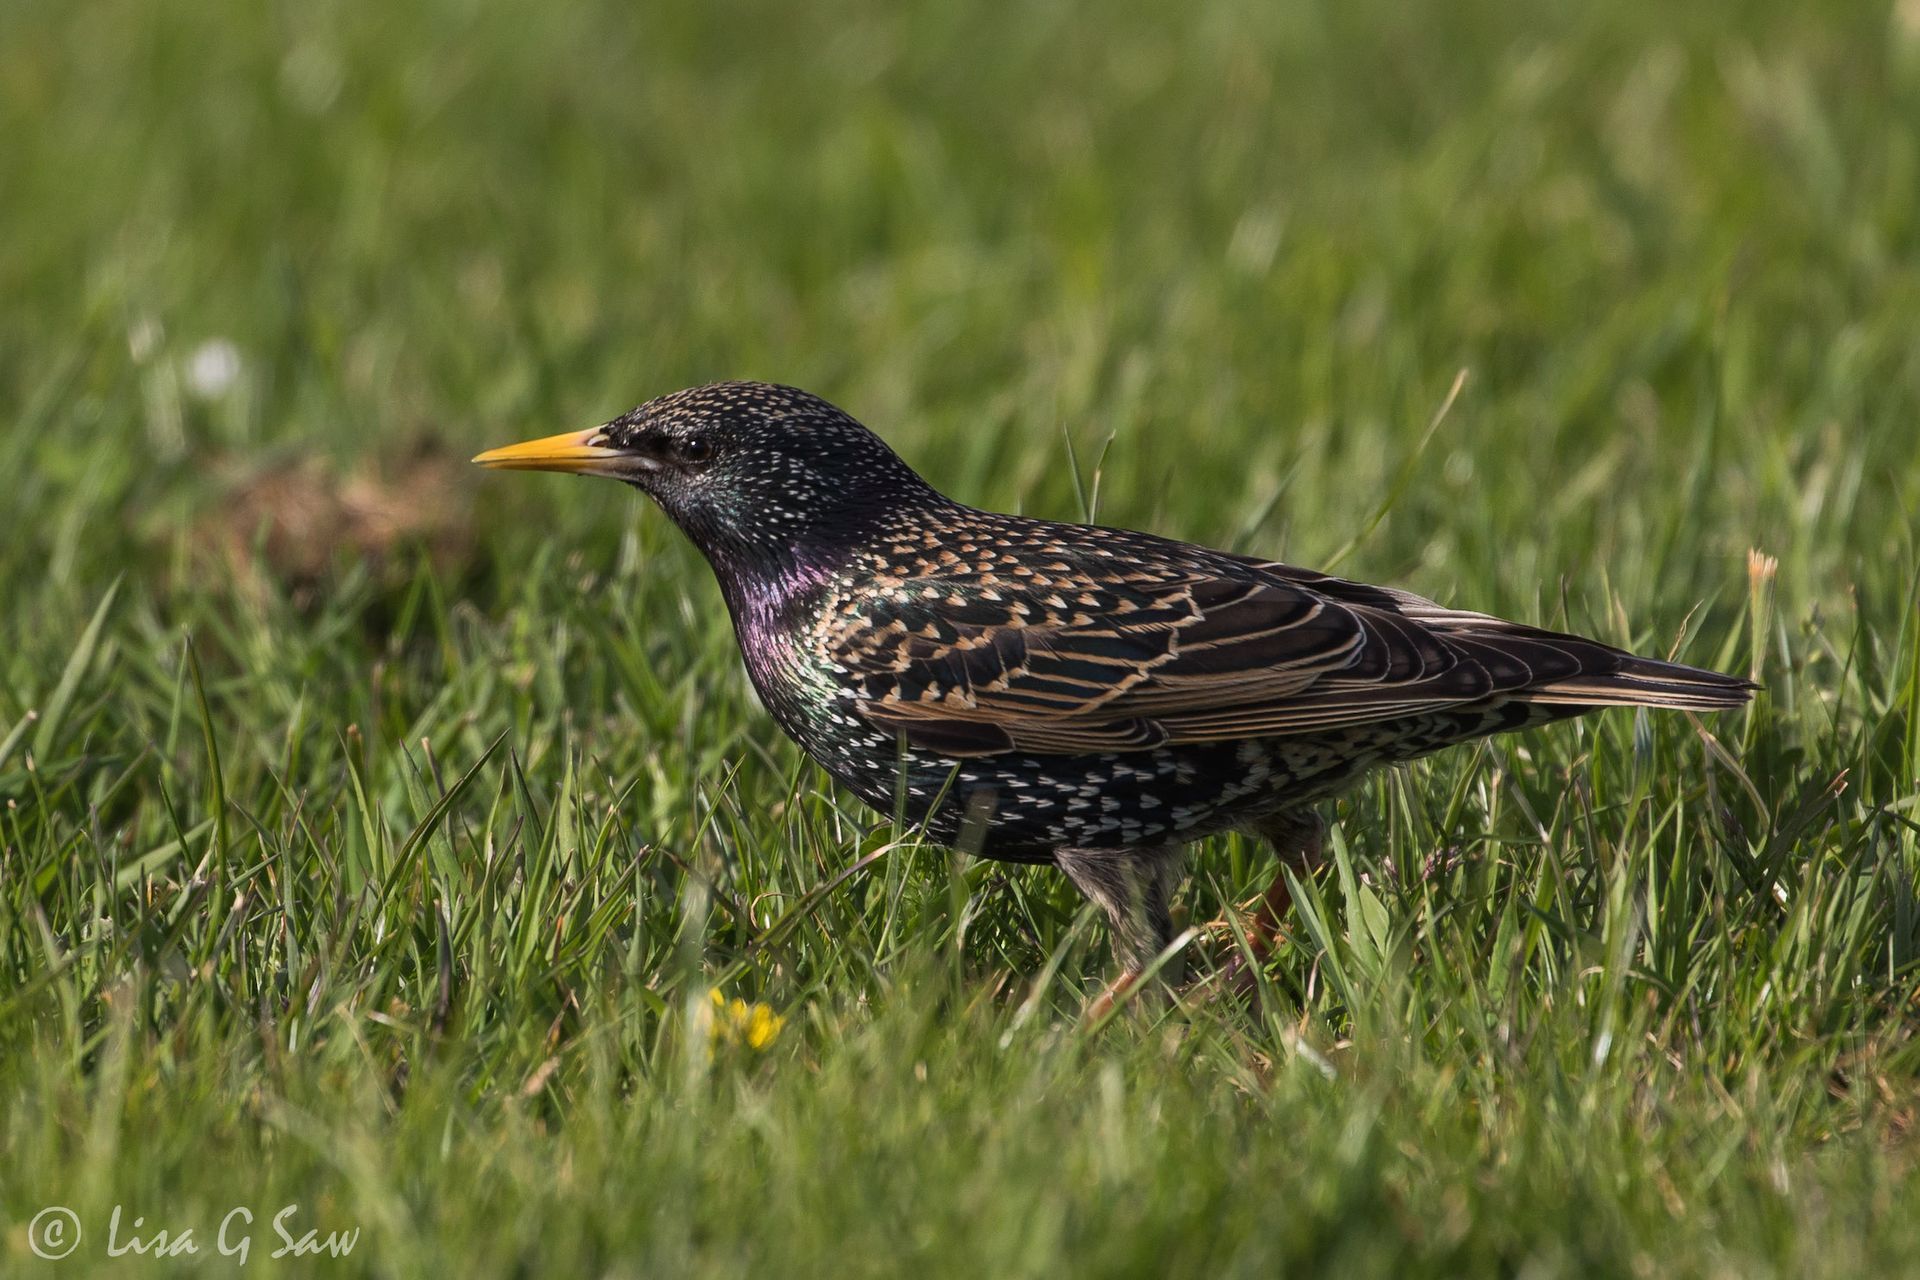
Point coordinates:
[(735, 1021)]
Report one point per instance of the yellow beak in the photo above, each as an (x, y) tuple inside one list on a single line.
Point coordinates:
[(577, 451)]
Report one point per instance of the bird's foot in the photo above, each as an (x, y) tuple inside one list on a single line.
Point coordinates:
[(1239, 977), (1439, 862), (1263, 931)]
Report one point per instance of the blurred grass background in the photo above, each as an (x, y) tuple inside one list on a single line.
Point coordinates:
[(399, 890)]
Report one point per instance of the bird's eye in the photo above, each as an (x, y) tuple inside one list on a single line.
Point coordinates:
[(694, 450)]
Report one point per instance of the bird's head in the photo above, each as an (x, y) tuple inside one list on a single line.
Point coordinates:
[(755, 474)]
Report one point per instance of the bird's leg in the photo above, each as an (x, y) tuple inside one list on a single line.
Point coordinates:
[(1111, 994), (1134, 886), (1298, 837)]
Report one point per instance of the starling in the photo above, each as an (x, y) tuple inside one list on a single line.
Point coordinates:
[(1089, 697)]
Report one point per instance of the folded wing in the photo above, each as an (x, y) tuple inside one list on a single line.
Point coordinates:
[(1229, 648)]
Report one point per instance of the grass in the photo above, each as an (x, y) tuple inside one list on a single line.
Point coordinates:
[(373, 832)]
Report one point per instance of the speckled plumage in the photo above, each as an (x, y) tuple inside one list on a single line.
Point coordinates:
[(1029, 687)]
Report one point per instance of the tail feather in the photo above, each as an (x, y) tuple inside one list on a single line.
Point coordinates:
[(1532, 664), (1647, 682)]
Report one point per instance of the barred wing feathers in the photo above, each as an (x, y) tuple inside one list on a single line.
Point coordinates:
[(1096, 657)]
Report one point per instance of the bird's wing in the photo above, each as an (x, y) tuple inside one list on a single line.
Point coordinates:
[(1120, 662)]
